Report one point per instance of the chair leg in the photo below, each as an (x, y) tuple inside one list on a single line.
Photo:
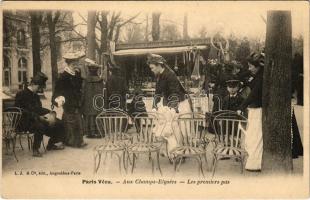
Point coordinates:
[(20, 141), (152, 160), (205, 157), (180, 162), (99, 160), (174, 166), (124, 161), (13, 144), (95, 161), (214, 166), (158, 164), (119, 163), (241, 163), (200, 160), (133, 162)]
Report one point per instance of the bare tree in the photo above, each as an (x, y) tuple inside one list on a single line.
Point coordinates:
[(277, 154), (36, 20), (185, 32), (155, 26), (91, 36)]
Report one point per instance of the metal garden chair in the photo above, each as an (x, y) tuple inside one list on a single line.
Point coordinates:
[(229, 130), (112, 125), (11, 119), (191, 140), (146, 142)]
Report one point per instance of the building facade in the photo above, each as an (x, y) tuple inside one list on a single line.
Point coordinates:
[(17, 51)]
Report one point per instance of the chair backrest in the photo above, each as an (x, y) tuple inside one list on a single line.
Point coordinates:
[(227, 128), (145, 124), (10, 121), (218, 99), (112, 124), (189, 129)]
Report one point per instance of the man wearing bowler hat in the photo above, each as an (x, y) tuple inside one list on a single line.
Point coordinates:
[(36, 119), (67, 94)]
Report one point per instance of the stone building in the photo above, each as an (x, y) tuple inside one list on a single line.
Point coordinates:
[(17, 52)]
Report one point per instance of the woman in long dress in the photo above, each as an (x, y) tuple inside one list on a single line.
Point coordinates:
[(253, 103)]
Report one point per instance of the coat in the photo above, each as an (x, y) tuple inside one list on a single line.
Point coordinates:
[(69, 87), (232, 103), (92, 87), (116, 92), (170, 88), (254, 100), (32, 108)]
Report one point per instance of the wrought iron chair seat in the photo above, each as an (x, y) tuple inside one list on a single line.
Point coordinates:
[(188, 151), (229, 151), (111, 146), (142, 147)]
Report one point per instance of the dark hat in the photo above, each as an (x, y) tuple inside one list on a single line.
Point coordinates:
[(155, 59), (39, 79), (257, 59), (232, 83)]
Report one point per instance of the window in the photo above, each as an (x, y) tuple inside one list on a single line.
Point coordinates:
[(22, 71), (6, 71), (21, 38)]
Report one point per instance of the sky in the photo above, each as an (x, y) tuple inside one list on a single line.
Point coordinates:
[(243, 19)]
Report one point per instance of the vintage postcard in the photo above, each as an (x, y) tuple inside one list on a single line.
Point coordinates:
[(155, 99)]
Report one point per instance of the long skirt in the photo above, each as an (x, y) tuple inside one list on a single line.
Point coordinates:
[(297, 148), (74, 129), (253, 140), (90, 126)]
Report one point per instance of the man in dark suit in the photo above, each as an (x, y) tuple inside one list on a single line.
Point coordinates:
[(34, 118), (233, 100)]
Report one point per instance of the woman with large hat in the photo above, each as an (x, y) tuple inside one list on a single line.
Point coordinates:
[(67, 94)]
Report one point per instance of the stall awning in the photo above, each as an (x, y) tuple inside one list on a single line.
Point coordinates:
[(166, 50)]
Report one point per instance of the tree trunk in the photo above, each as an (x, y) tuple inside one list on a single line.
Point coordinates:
[(277, 154), (147, 29), (155, 26), (91, 36), (185, 32), (52, 41), (36, 18)]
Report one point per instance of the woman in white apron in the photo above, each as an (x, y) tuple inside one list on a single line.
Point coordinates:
[(254, 134), (171, 92)]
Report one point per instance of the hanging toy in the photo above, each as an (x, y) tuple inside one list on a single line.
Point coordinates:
[(176, 68), (196, 75)]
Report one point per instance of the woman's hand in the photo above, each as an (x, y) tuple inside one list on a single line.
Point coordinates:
[(239, 112)]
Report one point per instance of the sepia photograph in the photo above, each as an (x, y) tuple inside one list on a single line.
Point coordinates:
[(155, 99)]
